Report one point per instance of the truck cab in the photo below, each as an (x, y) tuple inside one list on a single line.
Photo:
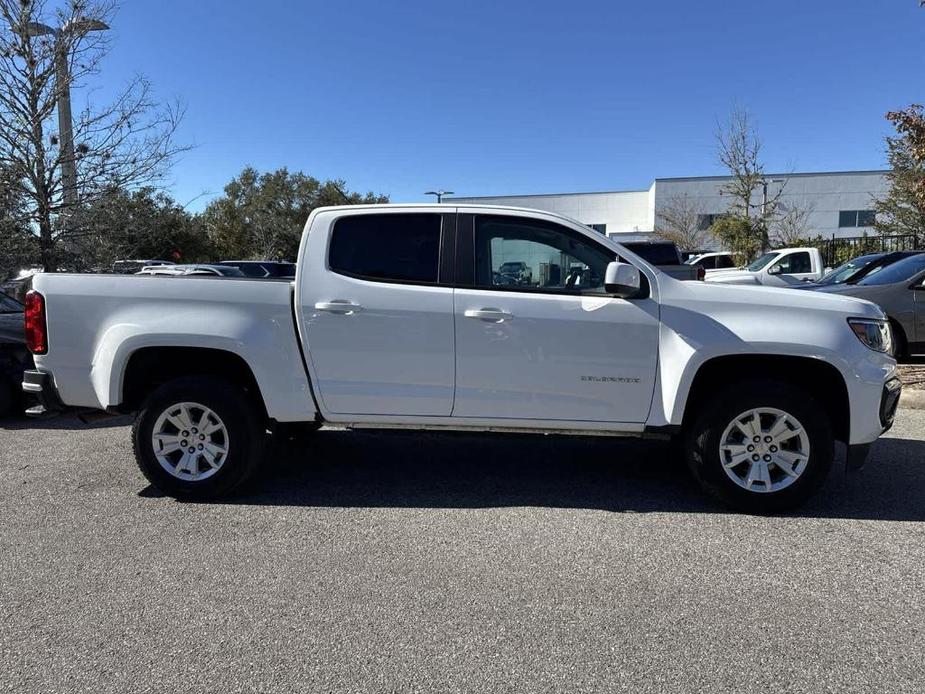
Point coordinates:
[(781, 268)]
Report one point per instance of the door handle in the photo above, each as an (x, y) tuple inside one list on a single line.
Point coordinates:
[(493, 315), (341, 307)]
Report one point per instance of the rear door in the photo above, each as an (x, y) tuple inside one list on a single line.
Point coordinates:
[(377, 312), (550, 344)]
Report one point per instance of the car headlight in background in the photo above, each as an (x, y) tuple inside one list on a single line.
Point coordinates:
[(874, 333)]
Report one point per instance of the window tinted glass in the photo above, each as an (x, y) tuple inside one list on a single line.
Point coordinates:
[(724, 261), (795, 263), (656, 253), (9, 305), (901, 271), (532, 255), (387, 247), (757, 265)]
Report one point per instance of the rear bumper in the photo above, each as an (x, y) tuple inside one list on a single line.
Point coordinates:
[(39, 385)]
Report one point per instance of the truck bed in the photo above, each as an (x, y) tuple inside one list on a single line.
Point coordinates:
[(95, 319)]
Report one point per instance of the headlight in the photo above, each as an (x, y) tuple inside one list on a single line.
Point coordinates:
[(874, 333)]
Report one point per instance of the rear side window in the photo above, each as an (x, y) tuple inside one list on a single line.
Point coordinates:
[(724, 261), (387, 247)]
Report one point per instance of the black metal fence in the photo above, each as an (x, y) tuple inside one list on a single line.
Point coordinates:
[(836, 251)]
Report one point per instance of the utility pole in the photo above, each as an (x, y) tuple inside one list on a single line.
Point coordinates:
[(439, 194), (80, 25)]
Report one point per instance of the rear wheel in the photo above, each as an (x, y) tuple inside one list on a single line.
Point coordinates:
[(198, 438), (761, 447)]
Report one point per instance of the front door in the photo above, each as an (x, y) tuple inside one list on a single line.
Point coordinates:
[(537, 337), (378, 314)]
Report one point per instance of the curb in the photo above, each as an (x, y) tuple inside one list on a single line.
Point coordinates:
[(912, 400)]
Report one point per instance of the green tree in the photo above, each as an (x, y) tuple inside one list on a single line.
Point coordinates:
[(47, 48), (740, 236), (902, 211), (142, 224), (751, 197), (261, 216)]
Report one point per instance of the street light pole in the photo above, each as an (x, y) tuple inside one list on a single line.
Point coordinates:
[(439, 194), (63, 88)]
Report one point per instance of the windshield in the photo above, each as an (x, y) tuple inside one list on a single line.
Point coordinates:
[(901, 271), (846, 271), (763, 261), (9, 304)]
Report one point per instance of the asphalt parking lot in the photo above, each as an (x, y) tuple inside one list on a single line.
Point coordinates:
[(448, 562)]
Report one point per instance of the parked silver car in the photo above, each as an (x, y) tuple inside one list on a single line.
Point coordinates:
[(899, 289)]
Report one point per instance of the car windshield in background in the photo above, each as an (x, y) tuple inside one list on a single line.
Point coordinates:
[(9, 305), (846, 271), (764, 260), (656, 253), (901, 271)]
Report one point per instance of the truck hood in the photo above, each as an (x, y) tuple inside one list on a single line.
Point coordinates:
[(759, 299), (733, 277)]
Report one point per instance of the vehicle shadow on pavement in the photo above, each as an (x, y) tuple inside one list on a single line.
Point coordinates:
[(335, 468)]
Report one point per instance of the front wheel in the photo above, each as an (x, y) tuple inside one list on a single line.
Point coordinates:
[(761, 447), (198, 438)]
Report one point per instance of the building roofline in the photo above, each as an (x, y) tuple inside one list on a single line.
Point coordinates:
[(801, 174), (544, 195)]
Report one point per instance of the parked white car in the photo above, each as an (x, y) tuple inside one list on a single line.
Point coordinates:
[(713, 262), (397, 318), (781, 268)]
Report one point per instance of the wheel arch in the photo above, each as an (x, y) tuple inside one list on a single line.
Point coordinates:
[(149, 367), (819, 378)]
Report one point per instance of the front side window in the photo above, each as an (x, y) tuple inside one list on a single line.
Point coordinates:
[(387, 247), (794, 264), (532, 255)]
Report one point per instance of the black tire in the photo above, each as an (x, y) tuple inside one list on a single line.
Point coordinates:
[(702, 443), (900, 343), (242, 418), (8, 398)]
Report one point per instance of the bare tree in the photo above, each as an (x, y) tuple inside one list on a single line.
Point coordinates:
[(739, 151), (126, 144), (681, 221), (791, 227)]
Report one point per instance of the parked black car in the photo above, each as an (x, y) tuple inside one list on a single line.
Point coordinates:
[(14, 357), (263, 268), (856, 269)]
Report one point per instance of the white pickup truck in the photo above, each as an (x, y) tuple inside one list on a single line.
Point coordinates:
[(782, 268), (399, 316)]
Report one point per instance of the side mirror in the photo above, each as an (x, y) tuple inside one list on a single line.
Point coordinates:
[(775, 269), (622, 280)]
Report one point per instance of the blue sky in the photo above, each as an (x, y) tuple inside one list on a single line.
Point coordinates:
[(516, 97)]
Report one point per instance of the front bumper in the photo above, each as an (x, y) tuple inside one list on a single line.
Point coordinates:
[(889, 402), (39, 385)]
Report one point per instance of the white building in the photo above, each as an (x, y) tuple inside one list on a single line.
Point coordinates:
[(836, 203)]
